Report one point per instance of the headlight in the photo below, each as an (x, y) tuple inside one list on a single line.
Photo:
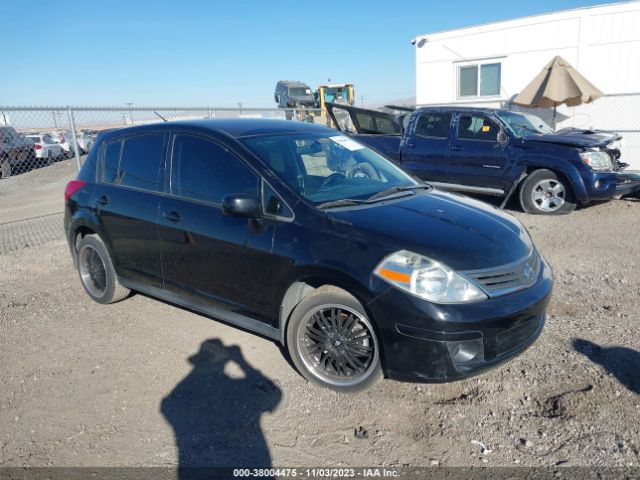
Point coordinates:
[(596, 159), (427, 279)]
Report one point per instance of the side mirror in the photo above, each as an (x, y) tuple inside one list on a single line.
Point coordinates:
[(502, 137), (242, 205)]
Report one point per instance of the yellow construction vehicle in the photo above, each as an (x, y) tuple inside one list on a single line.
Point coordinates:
[(336, 93)]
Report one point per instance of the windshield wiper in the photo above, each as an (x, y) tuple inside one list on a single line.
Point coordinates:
[(343, 202), (392, 190)]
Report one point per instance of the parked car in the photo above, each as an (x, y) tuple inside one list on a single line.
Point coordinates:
[(86, 141), (45, 148), (65, 139), (16, 152), (499, 152), (257, 223)]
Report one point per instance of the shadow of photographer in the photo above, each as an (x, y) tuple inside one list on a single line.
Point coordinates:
[(215, 411), (622, 362)]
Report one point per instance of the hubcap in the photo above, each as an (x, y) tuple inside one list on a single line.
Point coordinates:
[(337, 345), (548, 195), (92, 271)]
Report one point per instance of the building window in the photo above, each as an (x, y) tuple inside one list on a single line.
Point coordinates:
[(479, 80)]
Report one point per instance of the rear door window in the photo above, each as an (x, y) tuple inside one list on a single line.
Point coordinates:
[(202, 169), (140, 161), (434, 125)]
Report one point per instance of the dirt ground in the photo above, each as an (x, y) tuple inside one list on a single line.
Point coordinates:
[(142, 382)]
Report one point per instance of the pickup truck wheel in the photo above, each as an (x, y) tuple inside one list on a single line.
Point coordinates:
[(545, 193), (5, 168), (332, 342)]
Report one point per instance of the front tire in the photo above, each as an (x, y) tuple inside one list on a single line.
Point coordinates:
[(332, 341), (96, 270), (545, 193)]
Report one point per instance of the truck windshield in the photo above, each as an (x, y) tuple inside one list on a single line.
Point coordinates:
[(299, 91), (329, 167), (522, 124)]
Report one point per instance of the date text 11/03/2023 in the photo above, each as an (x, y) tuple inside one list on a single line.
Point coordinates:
[(371, 472)]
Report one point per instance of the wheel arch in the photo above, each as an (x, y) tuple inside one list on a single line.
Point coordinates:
[(562, 174), (308, 282)]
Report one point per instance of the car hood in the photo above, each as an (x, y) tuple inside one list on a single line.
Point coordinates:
[(576, 137), (464, 233)]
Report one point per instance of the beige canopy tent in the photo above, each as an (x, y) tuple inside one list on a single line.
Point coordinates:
[(556, 84)]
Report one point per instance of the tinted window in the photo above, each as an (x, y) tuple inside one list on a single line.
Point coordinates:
[(476, 127), (372, 123), (140, 161), (203, 170), (434, 125), (111, 160)]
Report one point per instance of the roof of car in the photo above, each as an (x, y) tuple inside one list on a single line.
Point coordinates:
[(234, 127)]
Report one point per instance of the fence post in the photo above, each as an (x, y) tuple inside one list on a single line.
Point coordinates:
[(72, 124)]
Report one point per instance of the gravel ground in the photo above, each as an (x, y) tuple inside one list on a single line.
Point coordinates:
[(142, 382)]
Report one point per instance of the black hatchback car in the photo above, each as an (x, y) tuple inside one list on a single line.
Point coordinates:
[(306, 236)]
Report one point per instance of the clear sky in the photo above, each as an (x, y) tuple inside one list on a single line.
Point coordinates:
[(197, 52)]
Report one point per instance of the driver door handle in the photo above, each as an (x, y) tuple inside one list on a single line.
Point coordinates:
[(456, 147)]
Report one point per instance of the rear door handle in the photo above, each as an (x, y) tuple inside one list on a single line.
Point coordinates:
[(172, 216), (411, 145), (103, 200), (456, 147)]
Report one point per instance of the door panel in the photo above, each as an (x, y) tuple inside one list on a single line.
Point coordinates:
[(207, 255), (425, 150), (477, 158), (126, 201)]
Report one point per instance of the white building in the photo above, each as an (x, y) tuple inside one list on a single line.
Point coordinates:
[(490, 64)]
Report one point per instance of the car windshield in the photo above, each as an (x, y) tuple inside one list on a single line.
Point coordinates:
[(327, 168), (522, 124)]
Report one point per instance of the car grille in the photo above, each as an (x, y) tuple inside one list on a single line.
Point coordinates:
[(507, 278)]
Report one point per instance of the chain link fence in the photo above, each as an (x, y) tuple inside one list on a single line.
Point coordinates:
[(618, 113), (35, 137)]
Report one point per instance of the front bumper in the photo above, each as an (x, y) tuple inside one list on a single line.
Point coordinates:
[(628, 183), (426, 342), (606, 185)]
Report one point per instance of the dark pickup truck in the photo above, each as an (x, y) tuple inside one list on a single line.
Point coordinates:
[(498, 152)]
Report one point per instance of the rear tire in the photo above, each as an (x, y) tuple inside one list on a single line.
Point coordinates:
[(332, 342), (545, 193), (97, 275)]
